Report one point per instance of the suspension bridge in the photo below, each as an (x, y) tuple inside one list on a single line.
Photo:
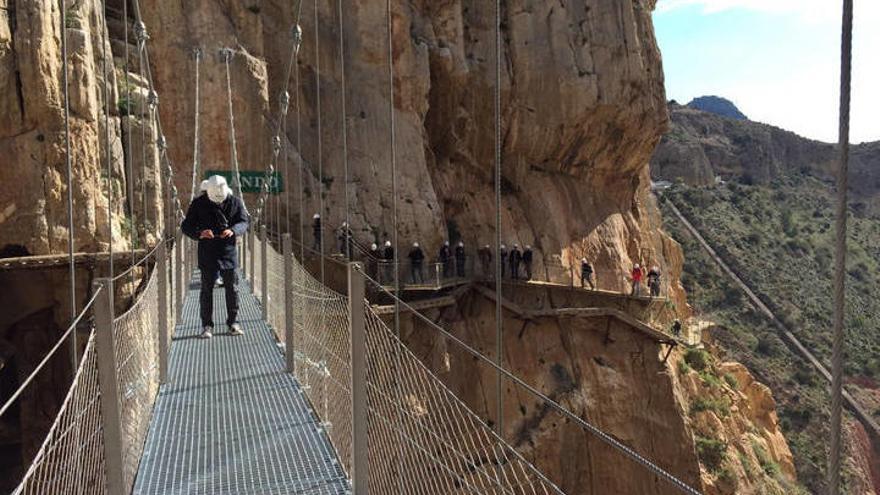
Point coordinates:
[(319, 396)]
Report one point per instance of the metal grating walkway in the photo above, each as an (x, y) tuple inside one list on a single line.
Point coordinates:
[(230, 420)]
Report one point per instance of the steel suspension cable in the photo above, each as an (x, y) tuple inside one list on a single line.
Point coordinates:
[(69, 167), (552, 404), (107, 149), (840, 228), (394, 240), (141, 39), (197, 54), (319, 143), (347, 233), (129, 166), (499, 325), (227, 53)]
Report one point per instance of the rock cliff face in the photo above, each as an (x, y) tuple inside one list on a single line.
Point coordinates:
[(701, 146), (583, 108)]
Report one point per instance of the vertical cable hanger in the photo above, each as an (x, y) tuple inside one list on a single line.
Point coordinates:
[(499, 325), (69, 169)]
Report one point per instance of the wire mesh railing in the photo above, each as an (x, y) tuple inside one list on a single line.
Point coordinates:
[(95, 443), (420, 437)]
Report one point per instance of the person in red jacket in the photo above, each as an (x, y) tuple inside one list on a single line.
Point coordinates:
[(637, 280)]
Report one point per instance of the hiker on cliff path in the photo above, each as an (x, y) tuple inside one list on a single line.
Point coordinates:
[(503, 253), (485, 255), (216, 220), (345, 240), (316, 232), (515, 259), (587, 274), (459, 259), (636, 280), (654, 281), (527, 261), (388, 263), (416, 260), (445, 258)]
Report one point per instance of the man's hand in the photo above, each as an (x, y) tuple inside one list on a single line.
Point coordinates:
[(226, 234), (206, 234)]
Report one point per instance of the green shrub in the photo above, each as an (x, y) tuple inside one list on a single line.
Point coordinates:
[(698, 359), (712, 453), (731, 381), (767, 464), (718, 406)]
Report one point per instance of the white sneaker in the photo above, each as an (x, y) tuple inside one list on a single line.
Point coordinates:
[(206, 332), (235, 329)]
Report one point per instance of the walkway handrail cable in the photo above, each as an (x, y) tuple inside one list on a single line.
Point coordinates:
[(71, 329), (227, 54), (69, 171), (197, 55), (597, 432)]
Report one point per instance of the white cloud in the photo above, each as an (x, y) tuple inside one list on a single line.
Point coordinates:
[(811, 11)]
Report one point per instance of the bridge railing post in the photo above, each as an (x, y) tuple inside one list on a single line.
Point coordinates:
[(287, 248), (264, 272), (162, 268), (181, 277), (360, 466), (110, 411), (252, 259)]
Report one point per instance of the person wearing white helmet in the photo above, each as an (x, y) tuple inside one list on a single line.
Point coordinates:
[(416, 263), (587, 274), (317, 229), (388, 263), (527, 261), (345, 240), (485, 256), (515, 259), (654, 281), (445, 259), (216, 220), (502, 252), (460, 259)]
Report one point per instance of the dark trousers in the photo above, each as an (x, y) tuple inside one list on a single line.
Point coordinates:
[(416, 273), (206, 296), (459, 267), (514, 270), (528, 265), (587, 278)]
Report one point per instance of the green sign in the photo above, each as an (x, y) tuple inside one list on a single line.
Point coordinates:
[(251, 181)]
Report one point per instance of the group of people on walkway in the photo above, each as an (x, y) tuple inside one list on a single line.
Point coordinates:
[(651, 276), (516, 264)]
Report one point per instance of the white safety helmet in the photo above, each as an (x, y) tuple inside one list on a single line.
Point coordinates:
[(528, 247), (446, 243), (487, 246), (204, 186), (217, 189), (637, 266), (503, 246), (344, 224), (516, 246), (316, 216), (387, 243), (373, 246), (415, 244), (583, 260), (460, 243)]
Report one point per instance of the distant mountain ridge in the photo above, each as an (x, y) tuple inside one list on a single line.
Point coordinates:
[(718, 106), (701, 146)]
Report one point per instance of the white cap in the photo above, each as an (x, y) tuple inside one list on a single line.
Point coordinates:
[(217, 189), (415, 244), (316, 216), (388, 243)]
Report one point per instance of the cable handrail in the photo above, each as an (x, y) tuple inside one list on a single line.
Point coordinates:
[(595, 431), (52, 351), (140, 262)]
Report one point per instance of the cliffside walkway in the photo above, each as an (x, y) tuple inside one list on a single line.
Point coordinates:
[(230, 420)]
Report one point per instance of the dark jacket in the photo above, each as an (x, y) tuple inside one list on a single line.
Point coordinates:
[(527, 256), (515, 256), (459, 253), (204, 214), (416, 256), (586, 268), (444, 254), (388, 253)]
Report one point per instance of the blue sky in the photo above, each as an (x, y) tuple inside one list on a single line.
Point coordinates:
[(777, 60)]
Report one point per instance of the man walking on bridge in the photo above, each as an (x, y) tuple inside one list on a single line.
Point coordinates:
[(216, 220)]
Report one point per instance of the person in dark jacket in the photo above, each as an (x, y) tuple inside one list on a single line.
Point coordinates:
[(445, 259), (388, 264), (654, 281), (416, 264), (345, 240), (216, 220), (527, 261), (316, 232), (515, 259), (503, 254), (459, 259), (485, 255), (587, 274)]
